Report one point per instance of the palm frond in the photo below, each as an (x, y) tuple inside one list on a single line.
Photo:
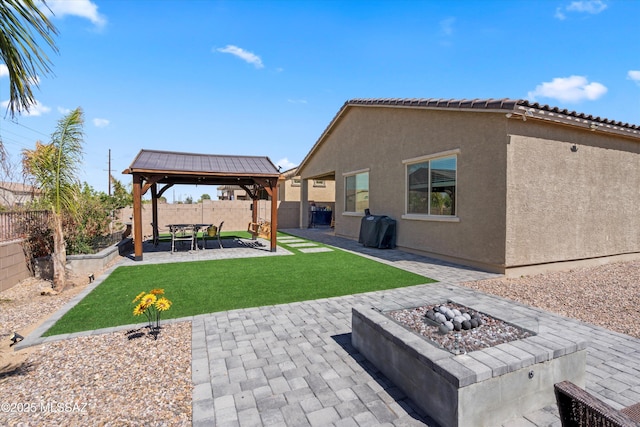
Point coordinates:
[(68, 139), (54, 166), (24, 58)]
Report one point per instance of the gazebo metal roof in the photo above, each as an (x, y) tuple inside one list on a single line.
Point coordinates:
[(193, 168)]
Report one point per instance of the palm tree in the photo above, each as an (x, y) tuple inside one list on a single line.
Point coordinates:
[(54, 168), (19, 21)]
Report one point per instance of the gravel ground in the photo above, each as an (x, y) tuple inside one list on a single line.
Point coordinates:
[(107, 379), (607, 296)]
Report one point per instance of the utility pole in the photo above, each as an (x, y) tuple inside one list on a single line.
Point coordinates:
[(109, 171)]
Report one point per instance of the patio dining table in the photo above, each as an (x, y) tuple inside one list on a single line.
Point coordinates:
[(186, 232)]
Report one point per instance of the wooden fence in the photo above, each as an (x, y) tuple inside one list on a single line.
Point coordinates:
[(16, 224)]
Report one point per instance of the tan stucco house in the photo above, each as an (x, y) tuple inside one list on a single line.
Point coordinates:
[(14, 194), (320, 194), (504, 185), (319, 191)]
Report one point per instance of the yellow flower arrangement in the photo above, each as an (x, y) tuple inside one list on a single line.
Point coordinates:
[(151, 306), (163, 304), (148, 300), (140, 295), (139, 310)]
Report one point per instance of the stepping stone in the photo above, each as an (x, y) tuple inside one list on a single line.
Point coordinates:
[(287, 241), (314, 250), (302, 245)]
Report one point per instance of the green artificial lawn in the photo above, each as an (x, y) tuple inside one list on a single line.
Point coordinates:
[(218, 285)]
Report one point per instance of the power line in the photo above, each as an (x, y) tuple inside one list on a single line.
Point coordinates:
[(15, 122)]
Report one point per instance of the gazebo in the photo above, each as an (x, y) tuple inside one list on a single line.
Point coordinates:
[(153, 168)]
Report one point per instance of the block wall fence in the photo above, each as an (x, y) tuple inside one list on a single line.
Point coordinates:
[(13, 264)]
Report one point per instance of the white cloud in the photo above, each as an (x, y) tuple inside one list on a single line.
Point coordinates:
[(592, 7), (246, 56), (285, 164), (63, 111), (297, 101), (81, 8), (569, 89), (446, 26), (4, 71), (37, 109), (100, 123), (634, 75), (559, 15)]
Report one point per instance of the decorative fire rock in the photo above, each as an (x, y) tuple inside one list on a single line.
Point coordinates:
[(457, 328)]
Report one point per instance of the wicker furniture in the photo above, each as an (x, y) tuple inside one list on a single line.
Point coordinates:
[(260, 229), (579, 408)]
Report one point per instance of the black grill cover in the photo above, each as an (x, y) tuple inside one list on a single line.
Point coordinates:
[(378, 231)]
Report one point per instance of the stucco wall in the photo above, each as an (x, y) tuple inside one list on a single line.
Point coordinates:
[(13, 265), (379, 139), (322, 194), (565, 205)]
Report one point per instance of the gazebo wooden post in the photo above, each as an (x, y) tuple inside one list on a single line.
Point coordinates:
[(254, 209), (272, 191), (154, 212), (137, 216)]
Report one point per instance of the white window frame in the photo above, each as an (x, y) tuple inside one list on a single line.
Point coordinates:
[(426, 217), (344, 198)]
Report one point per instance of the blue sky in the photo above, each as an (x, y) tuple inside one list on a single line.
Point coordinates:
[(266, 77)]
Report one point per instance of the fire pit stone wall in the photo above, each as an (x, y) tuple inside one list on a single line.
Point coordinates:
[(482, 388)]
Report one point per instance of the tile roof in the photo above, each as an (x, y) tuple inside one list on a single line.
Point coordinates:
[(505, 104), (170, 161), (17, 187)]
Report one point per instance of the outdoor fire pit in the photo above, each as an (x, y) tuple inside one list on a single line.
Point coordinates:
[(457, 328), (467, 376)]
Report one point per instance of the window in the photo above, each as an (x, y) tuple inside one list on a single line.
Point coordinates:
[(356, 194), (431, 186), (295, 182), (319, 183)]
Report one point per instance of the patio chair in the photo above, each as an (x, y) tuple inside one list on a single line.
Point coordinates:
[(579, 408), (212, 233), (184, 234)]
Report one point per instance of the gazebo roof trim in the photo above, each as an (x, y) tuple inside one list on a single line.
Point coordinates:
[(205, 164)]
